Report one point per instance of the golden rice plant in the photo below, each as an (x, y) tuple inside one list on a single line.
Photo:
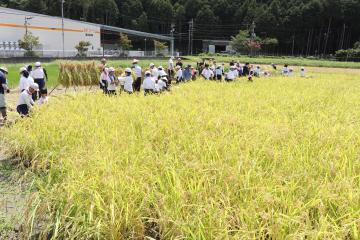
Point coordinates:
[(78, 74)]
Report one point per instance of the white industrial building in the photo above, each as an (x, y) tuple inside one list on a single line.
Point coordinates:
[(49, 29)]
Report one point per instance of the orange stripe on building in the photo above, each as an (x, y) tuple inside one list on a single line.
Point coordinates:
[(48, 28)]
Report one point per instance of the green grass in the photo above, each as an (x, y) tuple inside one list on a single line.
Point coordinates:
[(284, 60), (273, 159)]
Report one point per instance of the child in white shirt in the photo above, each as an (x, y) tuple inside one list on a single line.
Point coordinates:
[(207, 73), (44, 97), (128, 81), (111, 89), (25, 102), (149, 83), (179, 74), (24, 79), (302, 72)]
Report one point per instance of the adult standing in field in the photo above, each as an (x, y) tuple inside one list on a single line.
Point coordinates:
[(25, 102), (170, 69), (138, 74), (3, 89), (24, 79), (40, 77)]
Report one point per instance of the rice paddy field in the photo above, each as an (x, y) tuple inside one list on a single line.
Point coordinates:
[(278, 158)]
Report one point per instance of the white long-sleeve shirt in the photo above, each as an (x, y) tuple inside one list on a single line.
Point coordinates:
[(38, 73), (149, 83), (162, 85), (128, 83), (171, 64), (24, 83), (179, 74), (302, 73), (155, 72), (111, 83), (162, 73), (207, 73), (137, 70), (232, 74), (25, 98), (218, 71)]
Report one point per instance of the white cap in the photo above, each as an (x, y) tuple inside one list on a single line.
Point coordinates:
[(34, 86), (160, 67), (152, 65), (111, 69), (37, 64), (135, 61), (147, 73), (4, 69), (128, 70), (22, 69), (232, 67), (179, 59), (302, 68)]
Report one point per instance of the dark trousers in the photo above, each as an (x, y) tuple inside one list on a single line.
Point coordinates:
[(3, 112), (137, 84), (111, 92), (104, 86), (23, 110), (41, 83), (148, 91), (218, 77)]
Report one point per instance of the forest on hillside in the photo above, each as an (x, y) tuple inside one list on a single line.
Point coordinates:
[(307, 27)]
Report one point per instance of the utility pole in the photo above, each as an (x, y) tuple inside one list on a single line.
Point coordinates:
[(27, 24), (62, 27), (172, 31), (341, 45), (145, 48)]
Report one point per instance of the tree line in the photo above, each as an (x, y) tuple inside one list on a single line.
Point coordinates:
[(307, 27)]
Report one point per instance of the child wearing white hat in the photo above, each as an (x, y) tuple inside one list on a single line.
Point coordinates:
[(302, 72), (138, 73), (149, 83), (128, 81), (25, 102), (162, 84), (40, 77), (3, 89), (111, 89), (232, 74)]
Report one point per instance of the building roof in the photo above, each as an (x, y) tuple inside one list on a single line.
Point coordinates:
[(103, 27)]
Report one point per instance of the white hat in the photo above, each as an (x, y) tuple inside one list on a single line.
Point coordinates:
[(147, 73), (152, 65), (232, 67), (302, 68), (22, 69), (111, 69), (37, 64), (160, 67), (178, 67), (179, 59), (4, 69), (128, 70), (135, 61), (34, 86)]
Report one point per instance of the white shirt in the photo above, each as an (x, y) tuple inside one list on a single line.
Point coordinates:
[(207, 73), (171, 64), (302, 73), (232, 74), (149, 83), (162, 73), (25, 98), (24, 83), (157, 87), (155, 72), (43, 100), (179, 74), (38, 73), (161, 84), (111, 84), (137, 70), (218, 71), (257, 71), (285, 71), (128, 83)]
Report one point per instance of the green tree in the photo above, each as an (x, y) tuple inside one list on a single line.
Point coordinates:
[(124, 42), (82, 48), (243, 42), (159, 47), (28, 43)]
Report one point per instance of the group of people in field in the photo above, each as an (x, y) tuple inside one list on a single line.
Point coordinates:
[(153, 80), (32, 88)]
